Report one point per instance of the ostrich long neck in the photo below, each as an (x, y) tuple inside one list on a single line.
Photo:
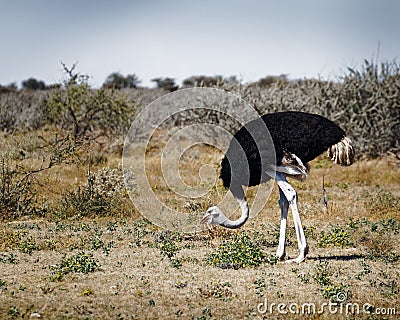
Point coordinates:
[(243, 218), (238, 193)]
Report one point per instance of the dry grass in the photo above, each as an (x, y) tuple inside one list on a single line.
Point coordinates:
[(146, 273)]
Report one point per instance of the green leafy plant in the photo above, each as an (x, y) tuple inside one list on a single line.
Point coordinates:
[(304, 278), (87, 292), (28, 246), (13, 312), (83, 203), (2, 284), (238, 252), (338, 237), (336, 293), (96, 243), (329, 290), (259, 286), (80, 262), (139, 232), (323, 273), (169, 248), (366, 270), (310, 232), (8, 258)]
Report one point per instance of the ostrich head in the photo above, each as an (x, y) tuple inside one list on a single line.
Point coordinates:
[(214, 215)]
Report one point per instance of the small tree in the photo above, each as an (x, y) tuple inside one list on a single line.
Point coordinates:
[(117, 81), (33, 84), (9, 88), (168, 84), (84, 112), (267, 81), (208, 81), (203, 81)]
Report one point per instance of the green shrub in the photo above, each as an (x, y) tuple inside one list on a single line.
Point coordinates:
[(83, 203), (336, 293), (13, 312), (259, 286), (28, 246), (80, 262), (323, 273), (84, 112), (169, 248), (139, 232), (337, 237), (238, 252), (96, 243)]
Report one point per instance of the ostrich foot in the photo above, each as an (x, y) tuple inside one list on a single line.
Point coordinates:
[(301, 256), (299, 259), (280, 255)]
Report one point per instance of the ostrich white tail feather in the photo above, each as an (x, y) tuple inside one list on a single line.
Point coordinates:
[(342, 152)]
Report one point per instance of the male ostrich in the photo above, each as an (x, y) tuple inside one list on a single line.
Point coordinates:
[(297, 138)]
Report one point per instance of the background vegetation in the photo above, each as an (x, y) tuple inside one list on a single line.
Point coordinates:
[(364, 101)]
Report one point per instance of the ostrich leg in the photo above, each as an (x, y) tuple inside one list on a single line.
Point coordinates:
[(291, 197), (284, 205)]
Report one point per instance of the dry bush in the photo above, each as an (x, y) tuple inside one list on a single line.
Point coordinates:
[(102, 195), (381, 202), (19, 170), (365, 102), (21, 110), (17, 195)]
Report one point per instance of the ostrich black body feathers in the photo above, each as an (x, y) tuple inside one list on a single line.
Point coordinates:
[(252, 151)]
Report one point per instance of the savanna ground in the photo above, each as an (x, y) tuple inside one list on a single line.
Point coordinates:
[(126, 268)]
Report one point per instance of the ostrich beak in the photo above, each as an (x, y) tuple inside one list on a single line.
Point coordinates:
[(205, 218)]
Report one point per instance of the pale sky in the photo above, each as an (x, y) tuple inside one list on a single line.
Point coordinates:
[(178, 38)]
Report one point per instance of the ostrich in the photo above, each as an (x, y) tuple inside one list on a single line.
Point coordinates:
[(297, 138)]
